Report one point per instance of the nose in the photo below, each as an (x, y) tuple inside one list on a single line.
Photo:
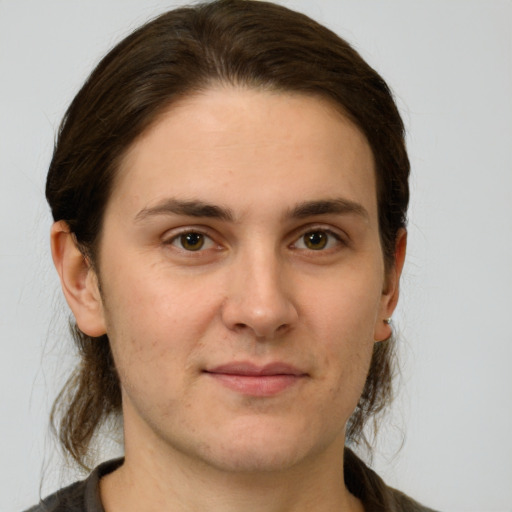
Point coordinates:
[(259, 298)]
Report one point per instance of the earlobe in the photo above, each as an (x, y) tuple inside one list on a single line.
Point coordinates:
[(391, 291), (78, 280)]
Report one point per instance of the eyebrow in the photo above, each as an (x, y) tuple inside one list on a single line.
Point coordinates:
[(200, 209), (189, 208), (339, 206)]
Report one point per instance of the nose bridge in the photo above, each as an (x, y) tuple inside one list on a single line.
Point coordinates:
[(258, 297)]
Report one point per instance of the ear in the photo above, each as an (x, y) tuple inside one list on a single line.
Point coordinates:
[(78, 280), (390, 292)]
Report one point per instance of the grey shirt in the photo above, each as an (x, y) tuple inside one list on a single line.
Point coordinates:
[(84, 496)]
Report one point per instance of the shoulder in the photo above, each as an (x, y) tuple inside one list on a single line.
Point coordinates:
[(405, 504), (375, 495), (83, 496), (68, 499)]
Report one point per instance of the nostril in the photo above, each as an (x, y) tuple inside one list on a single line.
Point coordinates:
[(261, 331), (282, 327)]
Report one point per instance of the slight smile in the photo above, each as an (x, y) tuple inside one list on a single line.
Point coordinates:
[(250, 379)]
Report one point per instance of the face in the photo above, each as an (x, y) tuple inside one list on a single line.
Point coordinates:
[(242, 279)]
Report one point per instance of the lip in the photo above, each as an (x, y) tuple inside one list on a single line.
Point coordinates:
[(251, 379)]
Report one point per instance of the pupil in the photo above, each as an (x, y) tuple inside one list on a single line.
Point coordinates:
[(192, 241), (316, 240)]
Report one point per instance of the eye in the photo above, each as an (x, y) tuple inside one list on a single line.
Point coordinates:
[(317, 240), (192, 241)]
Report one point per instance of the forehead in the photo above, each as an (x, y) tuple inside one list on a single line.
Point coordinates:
[(245, 145)]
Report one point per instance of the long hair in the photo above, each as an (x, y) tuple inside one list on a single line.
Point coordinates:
[(242, 42)]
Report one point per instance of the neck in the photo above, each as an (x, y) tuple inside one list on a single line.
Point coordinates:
[(150, 483)]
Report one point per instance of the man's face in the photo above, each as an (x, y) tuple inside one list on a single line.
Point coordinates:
[(242, 280)]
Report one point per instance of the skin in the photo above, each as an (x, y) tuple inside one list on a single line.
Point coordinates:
[(282, 171)]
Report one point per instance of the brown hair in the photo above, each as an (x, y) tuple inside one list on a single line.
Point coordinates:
[(242, 42)]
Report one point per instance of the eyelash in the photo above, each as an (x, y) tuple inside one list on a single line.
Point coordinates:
[(332, 239), (177, 240)]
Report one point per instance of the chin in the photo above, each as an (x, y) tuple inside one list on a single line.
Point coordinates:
[(253, 459), (261, 449)]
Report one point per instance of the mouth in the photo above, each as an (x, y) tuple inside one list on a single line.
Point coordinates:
[(249, 379)]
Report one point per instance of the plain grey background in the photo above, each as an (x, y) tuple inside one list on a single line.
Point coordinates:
[(450, 66)]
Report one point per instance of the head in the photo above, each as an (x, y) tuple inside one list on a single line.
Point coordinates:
[(182, 55)]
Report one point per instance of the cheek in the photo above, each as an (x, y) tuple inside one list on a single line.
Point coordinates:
[(347, 362), (346, 308), (343, 319), (156, 326), (141, 296)]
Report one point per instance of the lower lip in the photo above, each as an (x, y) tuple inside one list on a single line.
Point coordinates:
[(257, 385)]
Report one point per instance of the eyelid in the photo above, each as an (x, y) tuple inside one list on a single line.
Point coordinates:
[(173, 235), (338, 235)]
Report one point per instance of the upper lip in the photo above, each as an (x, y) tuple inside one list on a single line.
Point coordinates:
[(251, 369)]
